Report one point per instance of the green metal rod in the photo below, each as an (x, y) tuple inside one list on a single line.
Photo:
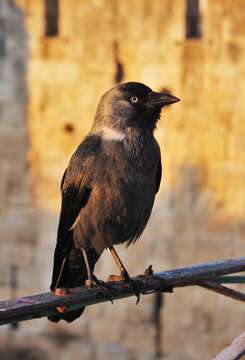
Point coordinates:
[(230, 279)]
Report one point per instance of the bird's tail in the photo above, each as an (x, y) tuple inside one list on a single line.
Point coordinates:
[(73, 273)]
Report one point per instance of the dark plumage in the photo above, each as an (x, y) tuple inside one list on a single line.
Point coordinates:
[(109, 186)]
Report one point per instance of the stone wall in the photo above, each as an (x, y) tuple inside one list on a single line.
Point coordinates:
[(17, 225), (199, 213), (206, 73)]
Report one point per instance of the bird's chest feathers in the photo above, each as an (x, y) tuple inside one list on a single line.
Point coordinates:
[(138, 147), (131, 149)]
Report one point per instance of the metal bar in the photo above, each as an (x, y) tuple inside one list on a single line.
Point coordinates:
[(230, 279), (220, 289), (45, 304)]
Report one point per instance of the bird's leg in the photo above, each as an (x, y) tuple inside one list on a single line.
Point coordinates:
[(89, 281), (92, 279), (123, 274)]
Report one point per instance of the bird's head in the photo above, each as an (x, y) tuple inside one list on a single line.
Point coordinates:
[(131, 104)]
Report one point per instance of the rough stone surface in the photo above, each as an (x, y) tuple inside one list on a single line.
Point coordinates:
[(17, 224), (199, 212)]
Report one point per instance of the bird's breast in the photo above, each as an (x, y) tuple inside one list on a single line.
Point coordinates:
[(125, 177), (123, 192), (133, 161)]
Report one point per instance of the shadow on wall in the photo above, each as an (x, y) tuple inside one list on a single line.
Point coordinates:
[(191, 216), (23, 351)]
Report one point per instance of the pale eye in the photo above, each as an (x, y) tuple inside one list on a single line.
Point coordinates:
[(134, 99)]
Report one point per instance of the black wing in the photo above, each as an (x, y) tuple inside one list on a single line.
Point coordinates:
[(159, 175), (75, 189), (139, 229)]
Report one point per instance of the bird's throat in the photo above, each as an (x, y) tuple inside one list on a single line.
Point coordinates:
[(110, 134)]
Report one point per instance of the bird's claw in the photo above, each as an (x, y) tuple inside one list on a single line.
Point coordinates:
[(101, 285), (124, 276), (133, 284)]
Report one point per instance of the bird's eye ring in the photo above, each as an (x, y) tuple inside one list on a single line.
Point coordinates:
[(134, 99)]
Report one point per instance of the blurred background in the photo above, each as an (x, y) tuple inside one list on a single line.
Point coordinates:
[(57, 57)]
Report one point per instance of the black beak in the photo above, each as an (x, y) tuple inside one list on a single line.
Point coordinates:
[(161, 99)]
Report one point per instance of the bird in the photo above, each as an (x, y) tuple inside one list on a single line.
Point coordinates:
[(108, 188)]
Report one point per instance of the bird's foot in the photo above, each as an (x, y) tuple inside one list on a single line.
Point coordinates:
[(94, 282), (124, 276), (61, 292), (115, 278)]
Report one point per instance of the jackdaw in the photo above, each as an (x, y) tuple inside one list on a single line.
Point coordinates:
[(109, 186)]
